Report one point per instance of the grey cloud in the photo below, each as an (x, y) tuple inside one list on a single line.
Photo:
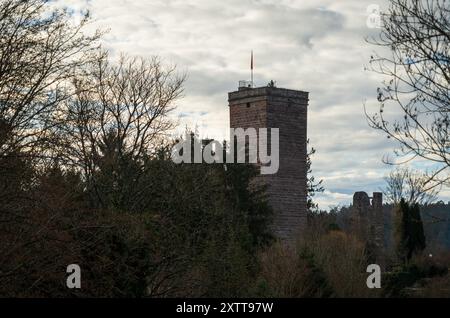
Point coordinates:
[(312, 45)]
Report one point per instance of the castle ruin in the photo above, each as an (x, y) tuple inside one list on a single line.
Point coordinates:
[(285, 109), (367, 222)]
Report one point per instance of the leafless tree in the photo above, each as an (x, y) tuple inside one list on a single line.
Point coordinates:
[(413, 186), (415, 38), (40, 52), (122, 106)]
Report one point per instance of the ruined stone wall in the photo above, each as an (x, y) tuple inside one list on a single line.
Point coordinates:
[(367, 223), (270, 107)]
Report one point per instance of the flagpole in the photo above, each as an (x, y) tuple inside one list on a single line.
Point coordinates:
[(252, 68)]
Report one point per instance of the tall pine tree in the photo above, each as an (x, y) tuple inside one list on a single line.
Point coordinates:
[(409, 233)]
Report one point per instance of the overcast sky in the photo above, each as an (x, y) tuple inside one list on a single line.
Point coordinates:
[(311, 45)]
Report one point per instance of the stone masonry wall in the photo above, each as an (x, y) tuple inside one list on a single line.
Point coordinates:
[(270, 107), (367, 222)]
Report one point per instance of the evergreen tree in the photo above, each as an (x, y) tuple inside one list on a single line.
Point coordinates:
[(417, 236), (409, 233)]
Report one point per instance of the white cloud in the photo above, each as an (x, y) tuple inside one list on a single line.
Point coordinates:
[(312, 45)]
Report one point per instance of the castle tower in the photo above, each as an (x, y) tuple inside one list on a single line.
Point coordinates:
[(272, 107), (367, 223)]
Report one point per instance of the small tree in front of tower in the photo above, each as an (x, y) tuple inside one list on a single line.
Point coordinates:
[(313, 186)]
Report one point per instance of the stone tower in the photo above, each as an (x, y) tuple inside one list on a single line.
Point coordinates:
[(285, 109), (367, 223)]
